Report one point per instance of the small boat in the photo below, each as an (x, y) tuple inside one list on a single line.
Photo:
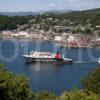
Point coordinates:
[(99, 60), (36, 56)]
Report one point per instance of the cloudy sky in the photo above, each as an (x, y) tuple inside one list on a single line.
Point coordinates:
[(40, 5)]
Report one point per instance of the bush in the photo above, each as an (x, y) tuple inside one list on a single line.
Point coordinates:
[(45, 96), (92, 81), (13, 87), (79, 95)]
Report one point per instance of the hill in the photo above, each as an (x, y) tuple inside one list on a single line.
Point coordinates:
[(22, 13), (92, 16), (17, 13), (50, 19)]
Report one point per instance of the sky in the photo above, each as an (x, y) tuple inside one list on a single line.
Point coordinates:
[(43, 5)]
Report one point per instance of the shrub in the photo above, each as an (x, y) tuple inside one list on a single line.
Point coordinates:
[(92, 81), (79, 95), (13, 87), (45, 96)]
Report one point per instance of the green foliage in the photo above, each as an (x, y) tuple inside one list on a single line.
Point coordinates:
[(92, 81), (45, 96), (2, 68), (96, 20), (13, 87), (10, 23), (79, 95), (76, 17)]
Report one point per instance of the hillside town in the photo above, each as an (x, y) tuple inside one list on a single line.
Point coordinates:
[(67, 38), (58, 28)]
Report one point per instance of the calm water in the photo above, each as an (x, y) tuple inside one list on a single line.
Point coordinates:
[(52, 77)]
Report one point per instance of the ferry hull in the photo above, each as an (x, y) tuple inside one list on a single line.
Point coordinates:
[(33, 60)]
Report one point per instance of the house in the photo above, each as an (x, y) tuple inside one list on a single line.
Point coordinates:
[(37, 36), (58, 38), (71, 38), (14, 34), (98, 26), (65, 36), (21, 34), (6, 33)]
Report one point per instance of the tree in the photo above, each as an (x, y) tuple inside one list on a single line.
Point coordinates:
[(13, 87), (45, 96), (92, 81), (79, 95)]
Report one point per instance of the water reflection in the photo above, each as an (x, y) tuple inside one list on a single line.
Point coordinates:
[(45, 66)]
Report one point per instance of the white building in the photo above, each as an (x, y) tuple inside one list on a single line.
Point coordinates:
[(65, 36), (58, 38), (97, 39), (14, 34), (37, 35), (7, 33), (21, 34), (72, 38)]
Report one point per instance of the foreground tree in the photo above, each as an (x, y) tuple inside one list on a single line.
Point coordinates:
[(79, 95), (92, 81), (13, 87), (45, 96)]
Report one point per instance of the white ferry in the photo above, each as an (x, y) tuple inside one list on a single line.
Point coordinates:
[(35, 56)]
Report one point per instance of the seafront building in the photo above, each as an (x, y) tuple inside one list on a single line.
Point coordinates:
[(68, 38)]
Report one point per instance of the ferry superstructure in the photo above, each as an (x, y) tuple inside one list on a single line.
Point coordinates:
[(35, 56)]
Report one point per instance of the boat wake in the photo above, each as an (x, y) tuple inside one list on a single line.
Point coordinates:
[(87, 62)]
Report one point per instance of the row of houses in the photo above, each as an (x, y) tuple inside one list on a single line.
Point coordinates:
[(14, 34), (72, 40)]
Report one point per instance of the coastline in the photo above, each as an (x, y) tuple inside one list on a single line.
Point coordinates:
[(62, 43)]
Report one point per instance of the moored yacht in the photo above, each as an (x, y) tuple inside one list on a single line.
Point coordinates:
[(45, 57)]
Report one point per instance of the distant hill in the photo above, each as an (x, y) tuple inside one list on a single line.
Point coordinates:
[(62, 17), (17, 13), (54, 11), (93, 16)]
